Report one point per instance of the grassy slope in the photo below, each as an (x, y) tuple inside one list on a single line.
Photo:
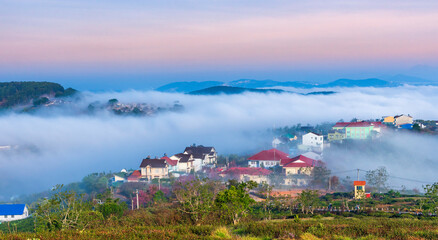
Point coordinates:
[(327, 228)]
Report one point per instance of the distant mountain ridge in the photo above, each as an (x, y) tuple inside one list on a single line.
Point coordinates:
[(217, 90), (227, 90), (187, 87)]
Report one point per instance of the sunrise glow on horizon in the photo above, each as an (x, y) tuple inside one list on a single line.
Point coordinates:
[(190, 36)]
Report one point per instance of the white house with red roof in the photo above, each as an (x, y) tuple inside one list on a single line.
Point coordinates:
[(258, 175), (299, 165), (171, 164), (267, 158), (297, 170)]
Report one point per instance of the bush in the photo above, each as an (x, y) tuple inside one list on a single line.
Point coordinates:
[(222, 232)]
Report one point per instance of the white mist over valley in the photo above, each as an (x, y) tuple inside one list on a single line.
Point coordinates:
[(60, 148)]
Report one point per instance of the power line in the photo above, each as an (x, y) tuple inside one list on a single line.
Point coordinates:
[(401, 178)]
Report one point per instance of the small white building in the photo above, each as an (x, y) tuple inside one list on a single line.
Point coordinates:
[(12, 212), (313, 141)]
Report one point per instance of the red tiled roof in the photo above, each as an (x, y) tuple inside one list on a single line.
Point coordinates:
[(170, 161), (300, 161), (272, 154), (358, 124), (135, 175), (247, 171), (360, 183), (341, 124)]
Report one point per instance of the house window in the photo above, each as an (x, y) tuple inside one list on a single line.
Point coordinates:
[(6, 216), (12, 216)]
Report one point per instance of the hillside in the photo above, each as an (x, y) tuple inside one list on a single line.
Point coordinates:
[(232, 90), (16, 93)]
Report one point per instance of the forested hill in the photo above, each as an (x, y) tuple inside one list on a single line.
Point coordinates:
[(16, 93)]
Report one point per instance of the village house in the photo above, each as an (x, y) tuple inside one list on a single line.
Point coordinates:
[(207, 156), (336, 136), (267, 159), (358, 130), (135, 176), (154, 168), (312, 141), (403, 119), (171, 164), (258, 175), (297, 170), (389, 120), (119, 177), (185, 162), (12, 212)]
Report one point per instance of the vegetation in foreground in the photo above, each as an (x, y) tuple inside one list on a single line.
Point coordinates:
[(161, 223), (208, 209)]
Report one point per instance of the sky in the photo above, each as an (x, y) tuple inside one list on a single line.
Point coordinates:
[(63, 148), (132, 44)]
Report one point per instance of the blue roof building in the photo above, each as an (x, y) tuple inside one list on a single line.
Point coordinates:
[(406, 126), (11, 212)]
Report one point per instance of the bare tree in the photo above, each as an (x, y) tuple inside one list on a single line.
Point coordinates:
[(377, 178)]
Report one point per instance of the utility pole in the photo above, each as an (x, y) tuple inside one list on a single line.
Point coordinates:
[(136, 192), (159, 183), (330, 184), (358, 174), (132, 204)]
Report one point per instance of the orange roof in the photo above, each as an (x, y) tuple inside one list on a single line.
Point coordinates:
[(135, 175), (360, 183)]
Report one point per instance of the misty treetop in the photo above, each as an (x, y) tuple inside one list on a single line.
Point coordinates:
[(16, 93)]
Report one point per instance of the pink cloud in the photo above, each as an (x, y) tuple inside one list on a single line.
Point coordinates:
[(319, 37)]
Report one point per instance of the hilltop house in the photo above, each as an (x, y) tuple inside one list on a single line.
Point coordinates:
[(313, 141), (135, 176), (207, 156), (185, 162), (154, 168), (389, 120), (403, 119), (336, 135), (12, 212), (297, 170), (267, 158), (171, 164), (258, 175), (358, 130), (119, 177)]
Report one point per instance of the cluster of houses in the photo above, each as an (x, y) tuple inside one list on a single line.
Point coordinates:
[(192, 160), (294, 171)]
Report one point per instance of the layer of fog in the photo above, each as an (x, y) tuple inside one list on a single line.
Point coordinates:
[(61, 149)]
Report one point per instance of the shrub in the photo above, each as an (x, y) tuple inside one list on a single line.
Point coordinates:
[(222, 232)]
